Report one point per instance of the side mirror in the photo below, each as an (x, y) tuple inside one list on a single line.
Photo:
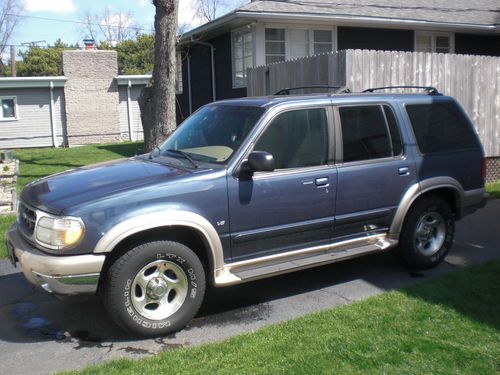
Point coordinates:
[(258, 161)]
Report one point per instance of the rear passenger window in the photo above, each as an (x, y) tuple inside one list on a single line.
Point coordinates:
[(365, 133), (440, 127)]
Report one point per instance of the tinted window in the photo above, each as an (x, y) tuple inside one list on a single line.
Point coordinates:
[(297, 139), (440, 127), (364, 133), (397, 146)]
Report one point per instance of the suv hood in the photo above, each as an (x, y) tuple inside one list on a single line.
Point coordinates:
[(57, 192)]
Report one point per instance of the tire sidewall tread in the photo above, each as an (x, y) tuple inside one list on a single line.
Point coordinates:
[(117, 288), (407, 252)]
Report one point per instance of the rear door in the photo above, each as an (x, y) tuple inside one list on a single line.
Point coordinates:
[(374, 171)]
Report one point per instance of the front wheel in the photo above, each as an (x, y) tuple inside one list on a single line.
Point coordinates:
[(427, 234), (155, 288)]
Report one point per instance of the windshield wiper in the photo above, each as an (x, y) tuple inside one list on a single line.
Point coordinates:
[(153, 151), (185, 155)]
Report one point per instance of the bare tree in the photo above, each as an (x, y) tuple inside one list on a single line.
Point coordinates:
[(208, 10), (9, 19), (109, 27), (157, 101)]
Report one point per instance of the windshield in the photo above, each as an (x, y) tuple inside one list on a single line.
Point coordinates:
[(212, 134)]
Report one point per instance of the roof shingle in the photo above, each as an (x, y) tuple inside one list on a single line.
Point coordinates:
[(477, 12)]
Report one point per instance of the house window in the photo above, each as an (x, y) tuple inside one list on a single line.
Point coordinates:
[(9, 108), (242, 57), (434, 42), (323, 41), (275, 45), (178, 78), (290, 43), (299, 43)]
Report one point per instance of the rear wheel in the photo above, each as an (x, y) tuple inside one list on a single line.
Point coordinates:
[(154, 289), (427, 234)]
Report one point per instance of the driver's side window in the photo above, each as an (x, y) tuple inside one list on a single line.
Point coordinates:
[(297, 139)]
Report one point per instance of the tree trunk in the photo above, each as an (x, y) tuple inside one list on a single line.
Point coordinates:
[(157, 100)]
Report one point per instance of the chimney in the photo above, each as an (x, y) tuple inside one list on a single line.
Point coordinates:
[(89, 44)]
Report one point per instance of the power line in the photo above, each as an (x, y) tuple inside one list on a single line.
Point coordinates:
[(78, 22)]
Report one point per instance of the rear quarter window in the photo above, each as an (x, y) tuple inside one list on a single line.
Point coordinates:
[(441, 127)]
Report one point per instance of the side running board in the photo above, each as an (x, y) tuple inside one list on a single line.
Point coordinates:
[(253, 269)]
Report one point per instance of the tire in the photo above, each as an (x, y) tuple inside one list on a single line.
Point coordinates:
[(427, 234), (155, 288)]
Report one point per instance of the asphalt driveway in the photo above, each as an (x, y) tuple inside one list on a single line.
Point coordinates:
[(40, 334)]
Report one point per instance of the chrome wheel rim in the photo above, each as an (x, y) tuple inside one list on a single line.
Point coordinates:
[(430, 233), (159, 289)]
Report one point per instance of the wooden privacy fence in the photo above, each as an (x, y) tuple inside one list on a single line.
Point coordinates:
[(473, 80)]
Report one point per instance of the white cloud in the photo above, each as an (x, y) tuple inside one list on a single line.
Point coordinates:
[(187, 14), (55, 6), (144, 3)]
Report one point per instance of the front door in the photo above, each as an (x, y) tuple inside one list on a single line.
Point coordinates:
[(293, 206)]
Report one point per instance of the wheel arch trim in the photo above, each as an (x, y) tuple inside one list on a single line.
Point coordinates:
[(142, 223), (417, 190)]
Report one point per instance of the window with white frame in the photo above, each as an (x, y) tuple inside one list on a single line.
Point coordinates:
[(323, 41), (178, 75), (289, 43), (434, 42), (275, 45), (242, 56), (299, 43), (9, 108)]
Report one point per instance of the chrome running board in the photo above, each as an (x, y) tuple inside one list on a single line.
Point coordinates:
[(253, 269)]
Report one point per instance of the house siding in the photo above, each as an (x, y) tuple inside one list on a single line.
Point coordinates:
[(470, 44), (33, 127), (375, 39), (136, 124)]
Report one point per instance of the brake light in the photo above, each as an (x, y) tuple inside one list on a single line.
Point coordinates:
[(483, 169)]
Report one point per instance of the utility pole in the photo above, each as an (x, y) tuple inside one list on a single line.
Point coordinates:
[(13, 61)]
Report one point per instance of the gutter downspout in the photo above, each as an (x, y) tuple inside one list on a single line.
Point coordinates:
[(52, 117), (129, 110), (190, 94), (212, 58)]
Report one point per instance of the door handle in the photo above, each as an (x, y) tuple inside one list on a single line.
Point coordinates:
[(404, 171), (322, 181)]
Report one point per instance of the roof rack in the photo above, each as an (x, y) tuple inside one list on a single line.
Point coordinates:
[(338, 89), (429, 89)]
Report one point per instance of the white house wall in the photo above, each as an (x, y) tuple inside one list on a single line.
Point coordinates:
[(135, 120), (33, 127)]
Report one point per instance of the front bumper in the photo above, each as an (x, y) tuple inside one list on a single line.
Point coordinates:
[(61, 275)]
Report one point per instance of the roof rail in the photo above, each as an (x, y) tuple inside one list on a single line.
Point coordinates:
[(338, 89), (429, 89)]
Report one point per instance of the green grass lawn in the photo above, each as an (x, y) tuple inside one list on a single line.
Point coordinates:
[(493, 189), (41, 162), (450, 325)]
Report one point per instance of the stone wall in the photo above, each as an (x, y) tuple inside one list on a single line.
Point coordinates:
[(9, 171), (91, 96)]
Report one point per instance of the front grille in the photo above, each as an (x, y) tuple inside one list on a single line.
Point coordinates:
[(26, 219)]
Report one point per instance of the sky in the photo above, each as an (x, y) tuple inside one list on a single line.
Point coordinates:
[(34, 26)]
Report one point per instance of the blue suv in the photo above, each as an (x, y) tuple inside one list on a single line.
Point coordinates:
[(250, 188)]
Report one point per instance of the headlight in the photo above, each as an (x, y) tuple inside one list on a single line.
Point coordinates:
[(59, 233)]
